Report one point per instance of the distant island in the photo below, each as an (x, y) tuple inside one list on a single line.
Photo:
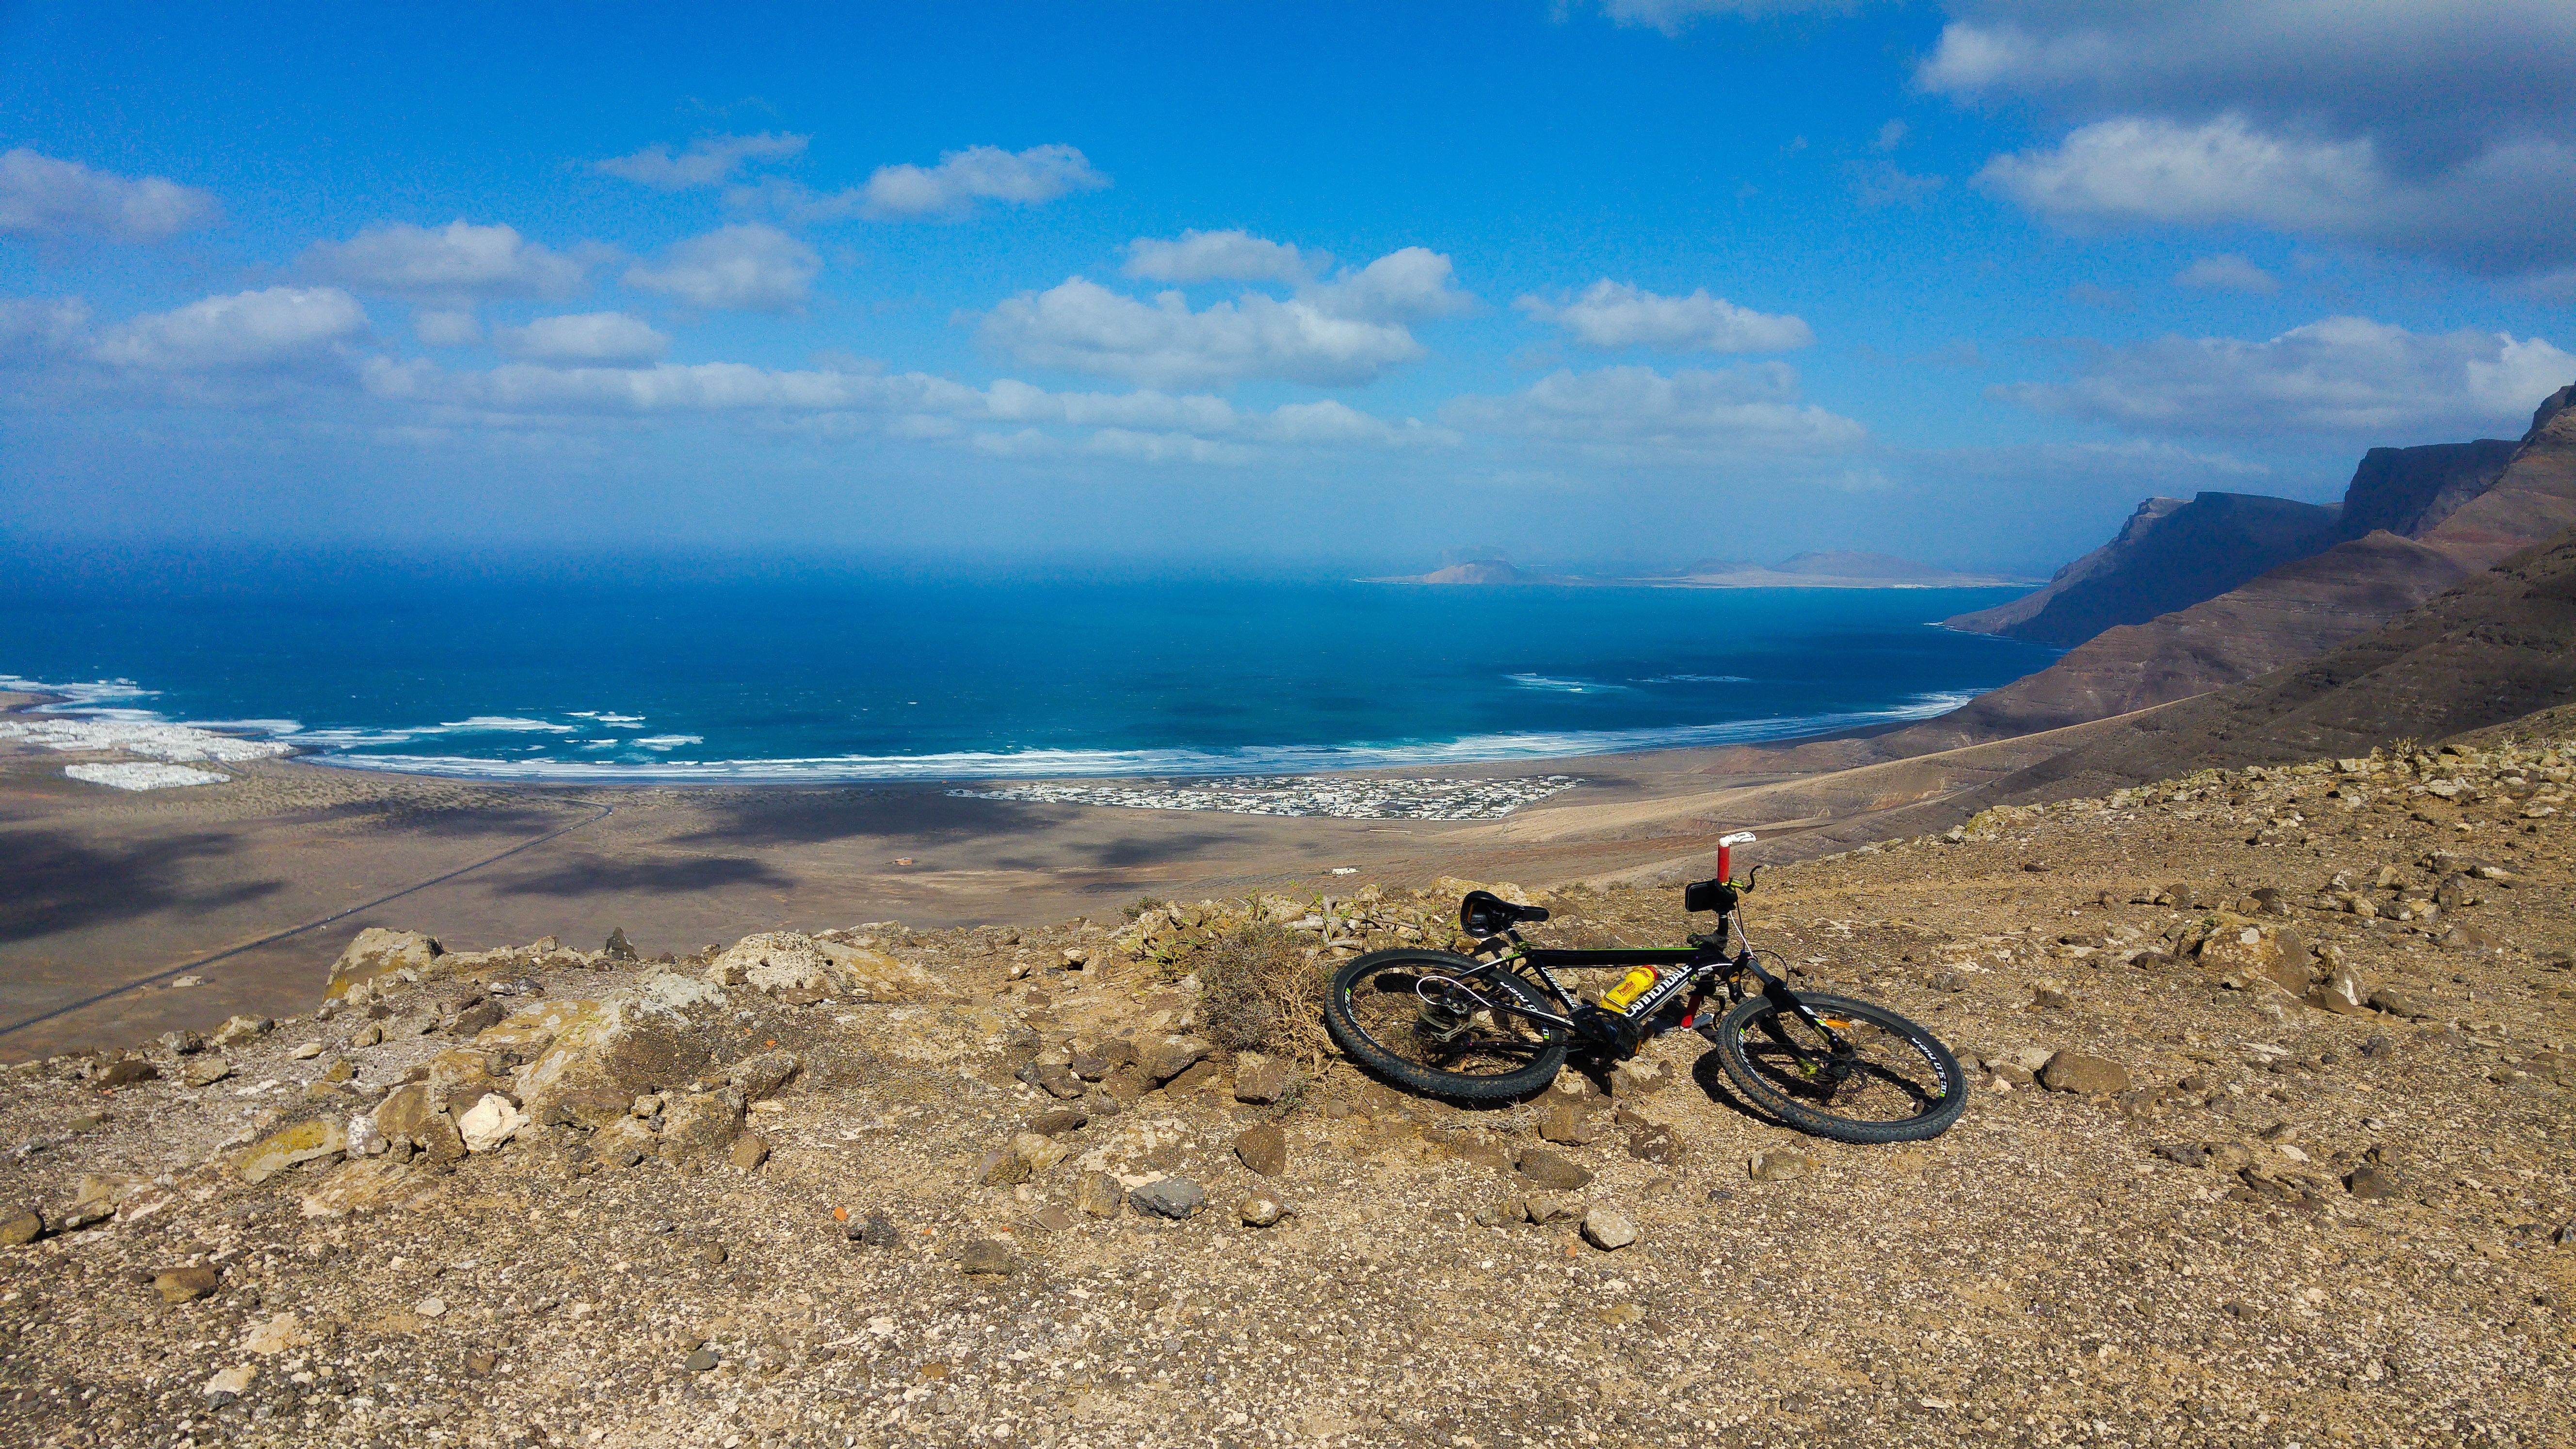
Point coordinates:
[(1824, 569)]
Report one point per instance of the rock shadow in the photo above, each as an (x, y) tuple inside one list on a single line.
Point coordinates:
[(813, 818)]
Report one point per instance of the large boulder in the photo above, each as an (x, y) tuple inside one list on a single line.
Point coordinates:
[(418, 1113), (867, 975), (700, 1126), (799, 967), (376, 951), (611, 1052)]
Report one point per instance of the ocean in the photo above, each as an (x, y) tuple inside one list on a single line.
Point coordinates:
[(666, 673)]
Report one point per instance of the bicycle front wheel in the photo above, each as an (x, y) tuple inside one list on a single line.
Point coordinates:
[(1894, 1083), (1416, 1018)]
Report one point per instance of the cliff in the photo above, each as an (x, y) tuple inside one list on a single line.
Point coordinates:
[(2460, 528), (2169, 555)]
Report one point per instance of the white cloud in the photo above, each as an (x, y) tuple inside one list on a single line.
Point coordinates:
[(1671, 16), (746, 267), (978, 173), (1692, 415), (36, 327), (446, 328), (2341, 375), (1210, 256), (601, 337), (1410, 284), (458, 260), (1150, 425), (2219, 171), (2413, 128), (708, 161), (42, 196), (269, 328), (1610, 315), (1890, 136), (1081, 326), (2226, 272)]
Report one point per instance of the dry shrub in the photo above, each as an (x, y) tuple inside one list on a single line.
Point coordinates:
[(1259, 993)]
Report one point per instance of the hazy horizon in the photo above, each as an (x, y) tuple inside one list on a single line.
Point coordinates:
[(1324, 289)]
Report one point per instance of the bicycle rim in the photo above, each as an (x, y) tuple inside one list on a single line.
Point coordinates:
[(1896, 1083), (1407, 1016)]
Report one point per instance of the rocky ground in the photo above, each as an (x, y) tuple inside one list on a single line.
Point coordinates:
[(2269, 1145)]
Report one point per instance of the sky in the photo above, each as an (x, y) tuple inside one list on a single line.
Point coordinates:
[(1586, 282)]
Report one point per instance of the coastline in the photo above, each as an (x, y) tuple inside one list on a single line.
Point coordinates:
[(123, 888)]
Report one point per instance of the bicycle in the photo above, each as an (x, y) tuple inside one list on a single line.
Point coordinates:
[(1482, 1029)]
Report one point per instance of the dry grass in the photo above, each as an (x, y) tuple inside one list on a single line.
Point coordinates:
[(1259, 992)]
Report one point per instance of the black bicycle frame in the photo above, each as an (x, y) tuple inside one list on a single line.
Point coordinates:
[(1707, 963)]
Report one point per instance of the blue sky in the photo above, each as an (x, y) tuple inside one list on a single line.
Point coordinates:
[(1633, 279)]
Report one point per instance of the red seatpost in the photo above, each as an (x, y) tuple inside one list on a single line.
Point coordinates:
[(1726, 862)]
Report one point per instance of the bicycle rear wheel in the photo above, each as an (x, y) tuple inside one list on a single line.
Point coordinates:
[(1407, 1016), (1896, 1084)]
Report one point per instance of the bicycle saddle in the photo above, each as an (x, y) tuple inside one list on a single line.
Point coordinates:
[(1484, 913)]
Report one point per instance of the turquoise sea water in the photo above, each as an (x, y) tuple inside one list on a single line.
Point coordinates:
[(651, 673)]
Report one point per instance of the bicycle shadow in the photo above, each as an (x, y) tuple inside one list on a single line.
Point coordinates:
[(1710, 1075)]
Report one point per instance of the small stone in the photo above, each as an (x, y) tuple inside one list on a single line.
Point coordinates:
[(181, 1285), (430, 1307), (1099, 1194), (1059, 1122), (2397, 1003), (1169, 1197), (1001, 1167), (1168, 1058), (873, 1230), (713, 1255), (2339, 993), (760, 1076), (21, 1228), (2369, 1183), (2379, 1045), (1260, 1080), (126, 1071), (481, 1362), (1562, 1121), (986, 1258), (1263, 1149), (204, 1071), (700, 1361), (1608, 1229), (1038, 1150), (618, 948), (1089, 1067), (307, 1052), (1544, 1208), (478, 1018), (368, 1035), (1259, 1212), (1058, 1082), (1550, 1171), (2085, 1075), (239, 1029), (229, 1385), (1496, 1214), (288, 1146), (1778, 1165), (489, 1123), (748, 1151), (1638, 1077)]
